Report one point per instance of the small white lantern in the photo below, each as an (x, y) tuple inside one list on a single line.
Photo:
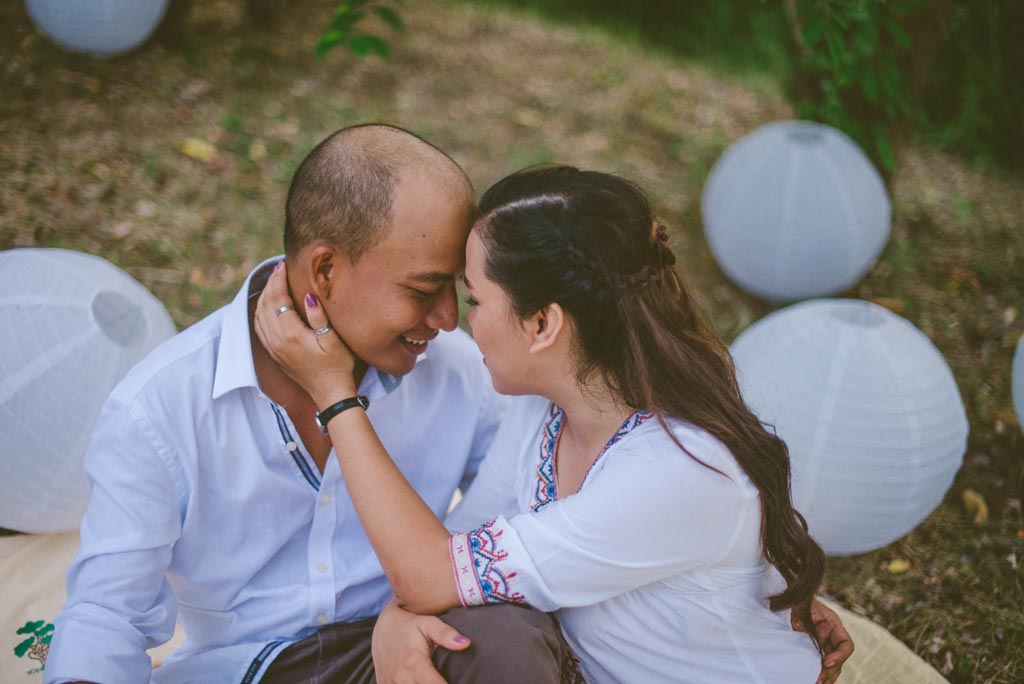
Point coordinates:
[(97, 27), (71, 326), (795, 210), (1018, 382), (870, 412)]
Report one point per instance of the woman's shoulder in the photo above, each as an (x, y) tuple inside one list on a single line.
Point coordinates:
[(653, 445)]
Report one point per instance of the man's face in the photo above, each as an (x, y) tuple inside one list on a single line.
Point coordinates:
[(396, 298)]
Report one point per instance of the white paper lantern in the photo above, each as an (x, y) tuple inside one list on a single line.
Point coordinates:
[(98, 27), (795, 210), (71, 326), (1018, 382), (869, 409)]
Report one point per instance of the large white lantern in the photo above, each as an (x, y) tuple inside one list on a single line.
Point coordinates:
[(98, 27), (869, 409), (1018, 382), (71, 326), (795, 210)]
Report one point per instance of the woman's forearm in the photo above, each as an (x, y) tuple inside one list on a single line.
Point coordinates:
[(410, 541)]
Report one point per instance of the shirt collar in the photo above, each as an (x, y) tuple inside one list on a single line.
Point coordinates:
[(235, 367)]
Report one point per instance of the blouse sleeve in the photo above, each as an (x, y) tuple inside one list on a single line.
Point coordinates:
[(643, 518)]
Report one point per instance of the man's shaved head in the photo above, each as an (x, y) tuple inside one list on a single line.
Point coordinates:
[(344, 189)]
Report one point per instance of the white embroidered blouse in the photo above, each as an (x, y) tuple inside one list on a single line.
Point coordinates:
[(654, 567)]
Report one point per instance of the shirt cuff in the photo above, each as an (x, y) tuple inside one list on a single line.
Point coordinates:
[(89, 646), (480, 564)]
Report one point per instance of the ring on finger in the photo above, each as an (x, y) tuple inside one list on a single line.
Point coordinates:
[(322, 331), (283, 309)]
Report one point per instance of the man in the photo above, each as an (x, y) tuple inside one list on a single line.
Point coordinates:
[(216, 500)]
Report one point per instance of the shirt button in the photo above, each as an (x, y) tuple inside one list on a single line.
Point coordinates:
[(321, 619), (291, 446), (325, 498), (321, 567)]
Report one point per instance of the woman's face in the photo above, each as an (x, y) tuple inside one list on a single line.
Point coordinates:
[(501, 336)]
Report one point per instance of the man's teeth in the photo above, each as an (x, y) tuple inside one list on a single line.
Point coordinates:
[(412, 341)]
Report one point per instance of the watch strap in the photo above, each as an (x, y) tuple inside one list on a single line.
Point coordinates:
[(323, 417)]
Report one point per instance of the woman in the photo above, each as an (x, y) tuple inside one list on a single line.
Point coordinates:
[(635, 493)]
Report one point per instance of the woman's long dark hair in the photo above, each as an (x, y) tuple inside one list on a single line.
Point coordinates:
[(590, 242)]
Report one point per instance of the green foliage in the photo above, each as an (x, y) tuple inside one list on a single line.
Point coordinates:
[(31, 627), (882, 70), (850, 73), (344, 28), (39, 629), (21, 649)]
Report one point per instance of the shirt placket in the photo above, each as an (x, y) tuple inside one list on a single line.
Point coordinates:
[(322, 567), (320, 554)]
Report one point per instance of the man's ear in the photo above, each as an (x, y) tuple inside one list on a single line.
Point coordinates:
[(325, 264), (545, 327)]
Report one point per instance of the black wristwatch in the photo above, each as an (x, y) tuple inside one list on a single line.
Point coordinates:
[(322, 417)]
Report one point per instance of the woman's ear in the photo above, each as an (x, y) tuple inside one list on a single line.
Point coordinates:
[(545, 327)]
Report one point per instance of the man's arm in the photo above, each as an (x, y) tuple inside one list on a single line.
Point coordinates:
[(119, 603)]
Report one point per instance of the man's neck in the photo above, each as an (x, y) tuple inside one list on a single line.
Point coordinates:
[(272, 379)]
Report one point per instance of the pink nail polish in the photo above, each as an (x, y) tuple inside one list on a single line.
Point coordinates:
[(278, 265), (311, 302), (461, 640)]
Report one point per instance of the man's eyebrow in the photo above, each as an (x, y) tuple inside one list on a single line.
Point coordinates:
[(432, 277)]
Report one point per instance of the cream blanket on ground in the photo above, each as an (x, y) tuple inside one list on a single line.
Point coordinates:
[(32, 569)]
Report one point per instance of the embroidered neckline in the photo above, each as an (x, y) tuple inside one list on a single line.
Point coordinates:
[(546, 489)]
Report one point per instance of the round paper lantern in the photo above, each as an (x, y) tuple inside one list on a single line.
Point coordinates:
[(71, 326), (869, 409), (98, 27), (795, 210), (1018, 382)]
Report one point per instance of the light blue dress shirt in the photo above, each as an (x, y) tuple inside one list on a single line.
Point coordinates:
[(207, 510)]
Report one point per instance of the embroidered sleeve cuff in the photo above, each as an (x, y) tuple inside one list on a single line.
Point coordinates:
[(481, 567)]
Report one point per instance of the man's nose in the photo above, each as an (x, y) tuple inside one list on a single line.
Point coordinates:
[(444, 315)]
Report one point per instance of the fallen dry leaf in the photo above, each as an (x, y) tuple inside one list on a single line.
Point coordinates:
[(975, 505), (257, 151), (199, 149), (947, 666), (898, 566)]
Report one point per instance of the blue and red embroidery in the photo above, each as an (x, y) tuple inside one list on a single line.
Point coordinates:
[(546, 490), (476, 558)]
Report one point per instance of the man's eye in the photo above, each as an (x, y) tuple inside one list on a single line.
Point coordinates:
[(423, 294)]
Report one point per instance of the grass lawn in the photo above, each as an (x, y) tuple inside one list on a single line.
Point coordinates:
[(92, 158)]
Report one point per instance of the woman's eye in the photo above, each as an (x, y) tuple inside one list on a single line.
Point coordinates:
[(471, 301)]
